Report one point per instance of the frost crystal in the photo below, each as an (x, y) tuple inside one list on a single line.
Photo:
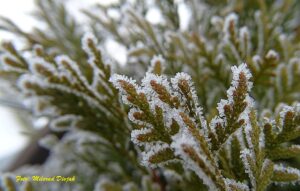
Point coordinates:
[(151, 133), (64, 122), (9, 63), (187, 78), (157, 64), (232, 185), (237, 70), (137, 132), (244, 156), (86, 40), (48, 141), (180, 141), (232, 18), (288, 170), (153, 149), (272, 55)]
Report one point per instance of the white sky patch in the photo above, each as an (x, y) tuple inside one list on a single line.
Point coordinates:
[(10, 137), (76, 6), (12, 141), (154, 16), (18, 11), (184, 15), (116, 51)]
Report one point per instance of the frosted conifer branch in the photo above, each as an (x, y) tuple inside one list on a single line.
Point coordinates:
[(232, 185), (284, 174), (157, 65), (179, 139), (233, 112)]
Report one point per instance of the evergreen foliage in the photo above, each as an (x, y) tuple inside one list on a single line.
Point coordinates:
[(211, 103)]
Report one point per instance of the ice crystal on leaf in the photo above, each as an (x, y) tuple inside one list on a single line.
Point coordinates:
[(174, 113), (210, 102)]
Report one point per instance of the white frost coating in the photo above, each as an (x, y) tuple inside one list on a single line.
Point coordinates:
[(135, 133), (288, 170), (248, 132), (217, 22), (243, 68), (6, 67), (36, 49), (73, 65), (219, 58), (151, 150), (280, 107), (240, 137), (272, 54), (84, 41), (154, 60), (98, 81), (295, 63), (265, 164), (71, 120), (81, 78), (41, 83), (115, 78), (173, 114), (49, 141), (38, 105), (97, 72), (244, 33), (100, 185), (232, 17), (244, 36), (162, 80), (234, 84), (230, 182), (175, 80), (283, 39), (183, 138), (244, 154), (261, 37), (27, 78), (40, 61), (284, 111), (262, 142), (198, 110), (133, 119), (293, 70), (169, 35), (221, 105), (296, 106), (213, 123), (257, 62), (257, 59), (172, 176)]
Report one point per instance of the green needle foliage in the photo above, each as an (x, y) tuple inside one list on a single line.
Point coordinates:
[(205, 103)]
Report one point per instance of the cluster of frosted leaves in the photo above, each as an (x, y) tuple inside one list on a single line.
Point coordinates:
[(73, 98), (275, 66), (208, 55), (58, 87), (173, 133)]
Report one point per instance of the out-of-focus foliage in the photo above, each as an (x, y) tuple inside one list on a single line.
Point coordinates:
[(215, 104)]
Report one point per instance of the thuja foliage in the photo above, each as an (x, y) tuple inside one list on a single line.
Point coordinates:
[(205, 103)]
